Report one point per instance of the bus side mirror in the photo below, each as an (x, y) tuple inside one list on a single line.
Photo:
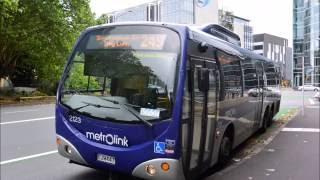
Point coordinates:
[(203, 47), (203, 79)]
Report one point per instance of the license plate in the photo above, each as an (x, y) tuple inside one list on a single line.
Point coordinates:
[(106, 159)]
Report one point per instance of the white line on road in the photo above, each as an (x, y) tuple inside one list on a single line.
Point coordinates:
[(12, 112), (313, 107), (311, 101), (27, 120), (300, 130), (28, 157)]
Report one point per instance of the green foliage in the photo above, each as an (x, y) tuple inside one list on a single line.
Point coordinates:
[(38, 93), (39, 34), (77, 80), (102, 19)]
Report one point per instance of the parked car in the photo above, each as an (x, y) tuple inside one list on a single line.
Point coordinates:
[(308, 88)]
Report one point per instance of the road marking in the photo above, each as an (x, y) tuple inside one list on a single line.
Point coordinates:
[(313, 107), (27, 120), (311, 101), (300, 130), (12, 112), (28, 157)]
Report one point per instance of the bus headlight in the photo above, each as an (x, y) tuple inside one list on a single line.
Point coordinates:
[(68, 149), (151, 170)]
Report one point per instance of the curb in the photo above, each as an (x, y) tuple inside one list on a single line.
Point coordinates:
[(255, 149), (28, 100)]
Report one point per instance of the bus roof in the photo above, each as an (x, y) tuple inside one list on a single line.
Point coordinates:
[(250, 54), (197, 34)]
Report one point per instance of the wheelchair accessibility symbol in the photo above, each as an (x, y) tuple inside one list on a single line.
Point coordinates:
[(159, 147)]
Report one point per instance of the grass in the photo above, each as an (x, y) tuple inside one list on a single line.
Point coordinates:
[(284, 112)]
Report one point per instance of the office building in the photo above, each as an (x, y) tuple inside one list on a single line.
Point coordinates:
[(275, 48), (239, 26), (306, 37), (197, 12)]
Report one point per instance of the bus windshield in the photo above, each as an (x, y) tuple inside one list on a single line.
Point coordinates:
[(123, 73)]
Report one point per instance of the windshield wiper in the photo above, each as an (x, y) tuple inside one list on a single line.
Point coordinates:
[(142, 120), (91, 104), (125, 106), (97, 105), (117, 102)]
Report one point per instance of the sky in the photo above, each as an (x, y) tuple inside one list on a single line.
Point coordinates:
[(267, 16)]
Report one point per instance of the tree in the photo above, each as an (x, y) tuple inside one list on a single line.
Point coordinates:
[(102, 19), (9, 52), (43, 33)]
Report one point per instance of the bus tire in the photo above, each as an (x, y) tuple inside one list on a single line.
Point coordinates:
[(270, 119), (264, 126), (225, 150)]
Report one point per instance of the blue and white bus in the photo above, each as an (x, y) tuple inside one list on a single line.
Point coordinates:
[(161, 101)]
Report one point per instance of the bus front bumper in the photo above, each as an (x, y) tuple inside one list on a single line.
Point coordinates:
[(66, 149), (174, 172), (152, 169)]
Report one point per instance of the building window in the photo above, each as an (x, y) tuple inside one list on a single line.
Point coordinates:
[(111, 19), (258, 47), (317, 61), (154, 12)]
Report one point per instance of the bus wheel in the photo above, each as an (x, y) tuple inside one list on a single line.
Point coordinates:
[(225, 149), (264, 126), (270, 119)]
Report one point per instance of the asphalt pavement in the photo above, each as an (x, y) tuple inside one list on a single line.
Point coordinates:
[(28, 149)]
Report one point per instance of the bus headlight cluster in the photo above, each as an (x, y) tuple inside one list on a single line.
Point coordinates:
[(151, 170), (68, 149)]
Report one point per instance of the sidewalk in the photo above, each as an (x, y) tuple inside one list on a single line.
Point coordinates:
[(292, 155)]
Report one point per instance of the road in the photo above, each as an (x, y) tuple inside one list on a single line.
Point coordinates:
[(28, 149)]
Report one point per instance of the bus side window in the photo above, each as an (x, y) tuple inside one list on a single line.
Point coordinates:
[(213, 93), (186, 98), (271, 74), (231, 72), (250, 75)]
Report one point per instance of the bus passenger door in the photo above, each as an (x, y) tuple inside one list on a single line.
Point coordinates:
[(200, 108)]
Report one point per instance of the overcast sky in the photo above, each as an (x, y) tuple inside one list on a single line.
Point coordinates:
[(267, 16)]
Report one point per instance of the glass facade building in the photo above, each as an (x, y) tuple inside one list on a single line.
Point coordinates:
[(306, 37), (173, 11), (197, 12), (239, 26)]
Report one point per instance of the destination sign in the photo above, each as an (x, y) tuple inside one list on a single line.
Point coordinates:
[(127, 41)]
